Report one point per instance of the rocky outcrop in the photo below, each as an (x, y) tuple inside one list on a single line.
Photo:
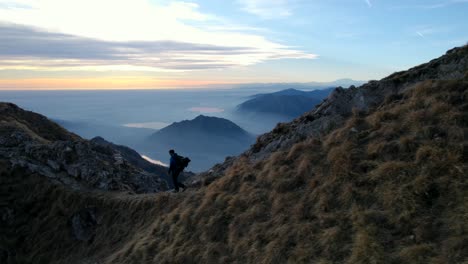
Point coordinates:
[(31, 141)]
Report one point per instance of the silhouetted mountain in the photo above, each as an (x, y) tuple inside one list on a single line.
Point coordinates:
[(302, 86), (206, 140), (290, 102)]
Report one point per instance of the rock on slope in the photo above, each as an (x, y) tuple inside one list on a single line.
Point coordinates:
[(32, 141), (385, 185)]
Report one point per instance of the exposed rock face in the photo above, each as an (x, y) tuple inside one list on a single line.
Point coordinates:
[(32, 141)]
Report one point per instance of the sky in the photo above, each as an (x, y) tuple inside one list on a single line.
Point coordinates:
[(151, 44)]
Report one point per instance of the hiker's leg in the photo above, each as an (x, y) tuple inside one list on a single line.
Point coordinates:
[(179, 184), (174, 180)]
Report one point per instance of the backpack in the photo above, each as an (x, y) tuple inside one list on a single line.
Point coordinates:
[(182, 162)]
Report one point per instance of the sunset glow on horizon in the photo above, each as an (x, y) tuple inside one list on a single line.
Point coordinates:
[(101, 84)]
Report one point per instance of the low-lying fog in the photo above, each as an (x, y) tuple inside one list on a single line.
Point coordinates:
[(126, 117)]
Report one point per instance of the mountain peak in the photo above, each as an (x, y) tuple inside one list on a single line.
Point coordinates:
[(204, 124), (206, 139)]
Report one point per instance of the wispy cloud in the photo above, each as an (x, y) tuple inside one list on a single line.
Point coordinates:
[(25, 47), (444, 4), (431, 5), (134, 35), (425, 31), (157, 162), (267, 9), (368, 2)]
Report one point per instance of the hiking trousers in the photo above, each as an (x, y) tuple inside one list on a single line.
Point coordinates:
[(177, 184)]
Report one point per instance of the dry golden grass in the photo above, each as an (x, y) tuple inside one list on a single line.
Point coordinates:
[(389, 186)]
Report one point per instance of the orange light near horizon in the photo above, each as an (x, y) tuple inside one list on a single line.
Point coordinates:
[(125, 83)]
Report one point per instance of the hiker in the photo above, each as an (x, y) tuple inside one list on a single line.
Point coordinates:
[(175, 168)]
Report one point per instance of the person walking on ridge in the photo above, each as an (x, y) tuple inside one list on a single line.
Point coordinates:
[(175, 168)]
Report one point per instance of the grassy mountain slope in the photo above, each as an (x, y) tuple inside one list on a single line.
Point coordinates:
[(387, 185)]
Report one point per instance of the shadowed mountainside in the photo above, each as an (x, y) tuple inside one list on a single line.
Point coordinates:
[(386, 184), (32, 141)]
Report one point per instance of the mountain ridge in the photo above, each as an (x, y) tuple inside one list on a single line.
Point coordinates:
[(32, 141), (290, 102)]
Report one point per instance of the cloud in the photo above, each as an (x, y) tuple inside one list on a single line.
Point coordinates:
[(149, 125), (267, 9), (432, 5), (127, 35), (368, 2), (29, 48), (157, 162), (206, 110), (425, 31), (444, 4)]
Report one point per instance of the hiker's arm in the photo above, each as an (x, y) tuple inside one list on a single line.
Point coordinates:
[(171, 165)]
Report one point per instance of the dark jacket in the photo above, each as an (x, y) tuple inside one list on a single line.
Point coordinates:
[(173, 166)]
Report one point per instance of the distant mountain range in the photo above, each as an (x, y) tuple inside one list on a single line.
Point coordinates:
[(206, 140), (290, 102), (121, 134), (345, 82)]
